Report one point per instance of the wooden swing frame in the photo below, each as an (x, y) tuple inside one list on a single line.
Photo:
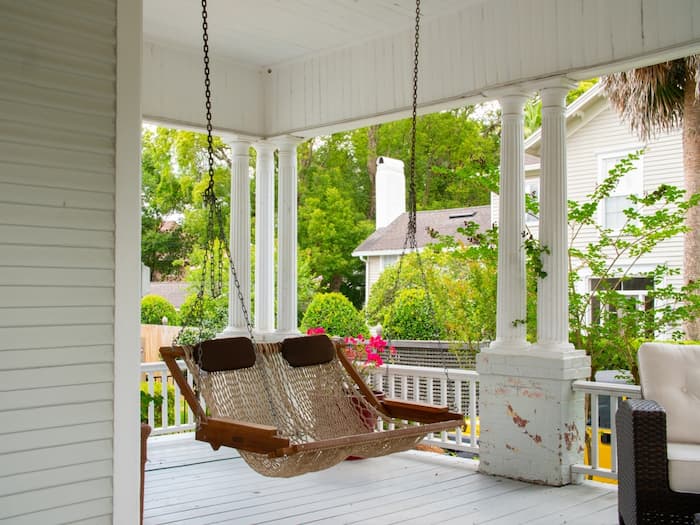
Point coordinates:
[(265, 439)]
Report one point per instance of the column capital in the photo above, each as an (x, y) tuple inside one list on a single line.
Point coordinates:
[(231, 138), (264, 147), (553, 91), (240, 148), (287, 142), (512, 103)]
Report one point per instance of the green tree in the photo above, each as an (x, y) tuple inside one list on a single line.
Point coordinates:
[(330, 228), (173, 179), (665, 97)]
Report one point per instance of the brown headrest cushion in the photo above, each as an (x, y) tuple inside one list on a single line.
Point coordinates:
[(218, 355), (308, 350)]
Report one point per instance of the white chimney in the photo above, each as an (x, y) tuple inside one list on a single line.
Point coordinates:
[(390, 190)]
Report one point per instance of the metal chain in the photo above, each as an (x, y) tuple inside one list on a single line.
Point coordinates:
[(412, 205), (215, 221), (410, 241)]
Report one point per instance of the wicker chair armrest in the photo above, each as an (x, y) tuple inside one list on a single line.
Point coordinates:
[(644, 494), (641, 434)]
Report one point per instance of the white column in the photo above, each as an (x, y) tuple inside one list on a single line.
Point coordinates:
[(532, 421), (239, 241), (264, 239), (512, 290), (552, 290), (287, 237)]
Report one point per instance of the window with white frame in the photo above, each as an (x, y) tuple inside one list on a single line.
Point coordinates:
[(388, 260), (532, 189), (632, 183), (637, 287)]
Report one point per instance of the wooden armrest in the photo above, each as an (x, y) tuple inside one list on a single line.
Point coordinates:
[(420, 412), (175, 352), (241, 435)]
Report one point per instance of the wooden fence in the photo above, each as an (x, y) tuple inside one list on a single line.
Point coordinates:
[(153, 336)]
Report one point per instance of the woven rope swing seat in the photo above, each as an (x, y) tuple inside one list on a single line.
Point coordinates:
[(297, 406)]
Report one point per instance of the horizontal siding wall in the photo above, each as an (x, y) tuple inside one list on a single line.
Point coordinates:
[(57, 183), (661, 163)]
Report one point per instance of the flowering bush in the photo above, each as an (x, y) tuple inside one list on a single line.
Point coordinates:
[(364, 354)]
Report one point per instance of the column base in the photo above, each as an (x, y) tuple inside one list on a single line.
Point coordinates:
[(233, 331), (266, 336), (532, 422), (283, 334), (507, 347)]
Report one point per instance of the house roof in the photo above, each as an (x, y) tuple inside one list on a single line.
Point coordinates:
[(173, 291), (531, 161), (390, 239)]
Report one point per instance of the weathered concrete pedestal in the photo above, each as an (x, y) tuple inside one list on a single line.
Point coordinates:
[(532, 422)]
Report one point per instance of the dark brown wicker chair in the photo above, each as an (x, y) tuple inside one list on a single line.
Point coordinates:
[(644, 496)]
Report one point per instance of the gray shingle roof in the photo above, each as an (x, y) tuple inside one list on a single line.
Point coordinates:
[(391, 238)]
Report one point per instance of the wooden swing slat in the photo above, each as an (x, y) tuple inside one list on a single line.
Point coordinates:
[(241, 435), (420, 412), (364, 389), (170, 354)]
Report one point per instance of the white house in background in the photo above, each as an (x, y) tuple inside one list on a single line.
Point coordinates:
[(596, 139), (385, 245)]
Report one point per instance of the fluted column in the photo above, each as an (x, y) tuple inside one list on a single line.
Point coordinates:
[(264, 238), (287, 237), (552, 290), (512, 290), (239, 242)]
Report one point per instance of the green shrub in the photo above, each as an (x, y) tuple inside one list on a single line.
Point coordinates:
[(411, 317), (146, 400), (154, 308), (157, 399), (214, 312), (335, 313)]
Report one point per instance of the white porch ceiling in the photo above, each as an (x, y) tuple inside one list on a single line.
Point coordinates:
[(308, 67), (269, 32)]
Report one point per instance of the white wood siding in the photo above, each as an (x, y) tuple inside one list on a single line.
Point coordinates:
[(173, 92), (597, 131), (466, 56), (57, 183), (374, 270), (661, 163), (480, 48)]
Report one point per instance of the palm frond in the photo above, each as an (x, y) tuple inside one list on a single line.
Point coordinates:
[(651, 98)]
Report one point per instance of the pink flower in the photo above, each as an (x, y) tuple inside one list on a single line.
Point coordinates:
[(315, 331), (377, 343), (376, 359)]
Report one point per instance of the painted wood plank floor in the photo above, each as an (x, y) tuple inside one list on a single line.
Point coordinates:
[(188, 483)]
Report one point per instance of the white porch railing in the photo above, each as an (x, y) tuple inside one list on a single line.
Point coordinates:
[(175, 414), (454, 387), (607, 395)]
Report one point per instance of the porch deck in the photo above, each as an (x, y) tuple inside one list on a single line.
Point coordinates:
[(187, 482)]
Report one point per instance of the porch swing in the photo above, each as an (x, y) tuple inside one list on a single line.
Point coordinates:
[(299, 405)]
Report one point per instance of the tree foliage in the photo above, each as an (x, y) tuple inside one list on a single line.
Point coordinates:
[(664, 97), (609, 324), (174, 172)]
